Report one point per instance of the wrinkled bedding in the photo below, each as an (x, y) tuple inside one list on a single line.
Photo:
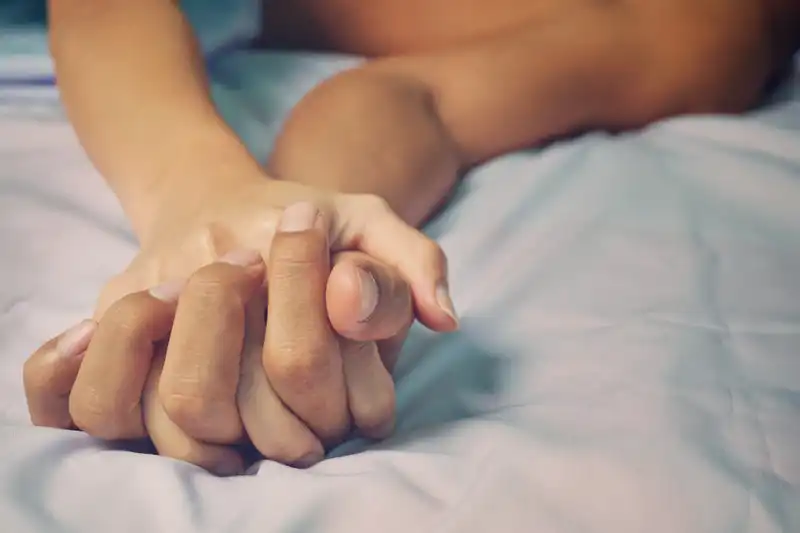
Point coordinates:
[(628, 359)]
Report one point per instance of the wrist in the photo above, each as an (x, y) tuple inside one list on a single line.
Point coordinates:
[(188, 179)]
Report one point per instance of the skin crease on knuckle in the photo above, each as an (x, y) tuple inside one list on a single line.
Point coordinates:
[(187, 409), (303, 374), (95, 416), (301, 363), (197, 392)]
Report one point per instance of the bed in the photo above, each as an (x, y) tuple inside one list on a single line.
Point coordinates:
[(629, 358)]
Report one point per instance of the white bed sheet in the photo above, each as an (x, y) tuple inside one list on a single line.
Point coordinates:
[(628, 360)]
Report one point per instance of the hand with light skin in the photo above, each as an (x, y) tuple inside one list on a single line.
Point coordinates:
[(243, 214), (210, 198), (184, 363), (402, 128), (193, 194)]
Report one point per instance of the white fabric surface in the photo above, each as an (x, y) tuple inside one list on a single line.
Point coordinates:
[(628, 360)]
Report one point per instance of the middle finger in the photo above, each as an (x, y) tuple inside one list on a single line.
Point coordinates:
[(201, 370)]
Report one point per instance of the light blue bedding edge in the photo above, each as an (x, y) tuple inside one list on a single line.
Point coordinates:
[(698, 218)]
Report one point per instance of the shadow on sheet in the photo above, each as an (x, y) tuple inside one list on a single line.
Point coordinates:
[(628, 358)]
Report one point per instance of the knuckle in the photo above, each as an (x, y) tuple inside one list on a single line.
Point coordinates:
[(185, 409), (372, 203), (180, 449), (128, 314), (374, 416), (95, 417), (299, 364), (36, 376), (285, 450), (432, 251), (214, 286), (337, 432), (214, 275), (298, 250)]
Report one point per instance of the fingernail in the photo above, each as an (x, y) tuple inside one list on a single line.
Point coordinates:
[(309, 460), (369, 294), (76, 339), (298, 217), (168, 292), (445, 302), (242, 258)]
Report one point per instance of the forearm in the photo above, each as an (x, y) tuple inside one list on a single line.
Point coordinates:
[(132, 82), (363, 132), (405, 128)]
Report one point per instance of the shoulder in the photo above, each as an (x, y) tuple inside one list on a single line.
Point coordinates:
[(721, 57)]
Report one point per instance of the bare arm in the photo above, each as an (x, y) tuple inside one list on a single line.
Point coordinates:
[(133, 85), (404, 128)]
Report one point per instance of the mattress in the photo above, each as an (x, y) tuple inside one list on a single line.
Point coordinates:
[(628, 359)]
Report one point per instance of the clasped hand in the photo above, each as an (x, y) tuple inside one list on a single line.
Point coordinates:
[(289, 352)]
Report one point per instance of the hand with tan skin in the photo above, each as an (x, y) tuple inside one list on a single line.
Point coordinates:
[(185, 362)]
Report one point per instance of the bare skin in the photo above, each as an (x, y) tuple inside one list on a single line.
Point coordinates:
[(397, 27), (480, 78), (371, 153), (403, 27)]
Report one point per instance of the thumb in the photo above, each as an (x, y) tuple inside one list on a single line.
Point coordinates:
[(367, 223), (366, 299)]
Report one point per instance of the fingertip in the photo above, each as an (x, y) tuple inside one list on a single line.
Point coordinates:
[(445, 303), (50, 373), (245, 258), (420, 261), (73, 342), (435, 309), (300, 217), (168, 291)]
